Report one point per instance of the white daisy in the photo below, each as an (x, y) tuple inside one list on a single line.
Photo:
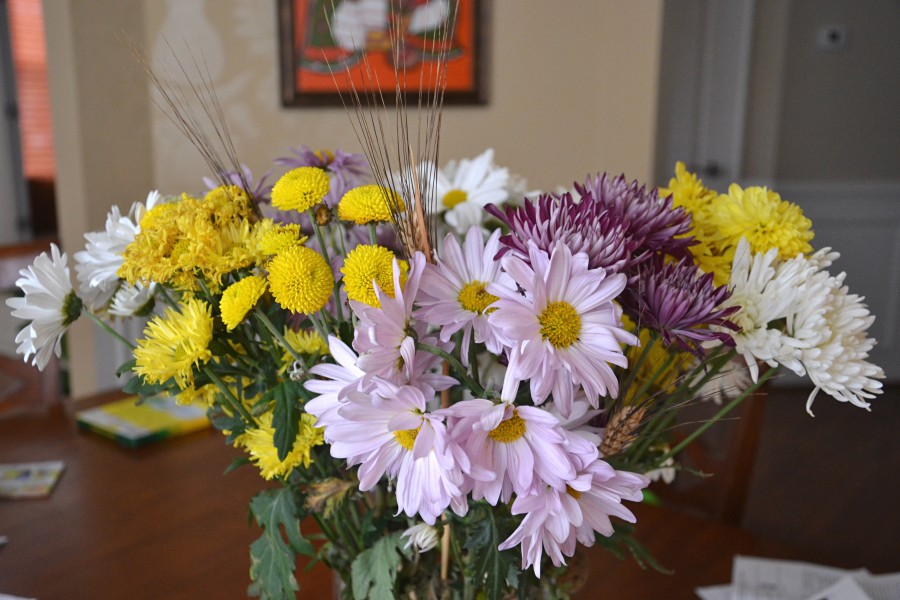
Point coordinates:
[(463, 189), (49, 303), (566, 330), (97, 265), (133, 300), (453, 293)]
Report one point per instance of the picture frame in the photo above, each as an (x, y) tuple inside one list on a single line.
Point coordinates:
[(324, 43)]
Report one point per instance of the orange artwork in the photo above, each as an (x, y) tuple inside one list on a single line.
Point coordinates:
[(329, 47)]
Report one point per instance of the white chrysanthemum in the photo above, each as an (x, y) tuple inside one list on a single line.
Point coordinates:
[(463, 189), (49, 303), (764, 295), (422, 537), (133, 300), (97, 265), (836, 360)]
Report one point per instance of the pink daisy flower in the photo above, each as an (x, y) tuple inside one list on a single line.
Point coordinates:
[(388, 433), (453, 293), (523, 447), (338, 380), (565, 330), (555, 520), (386, 337)]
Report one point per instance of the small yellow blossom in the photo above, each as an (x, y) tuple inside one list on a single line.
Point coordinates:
[(174, 343), (300, 279), (300, 189), (369, 204), (280, 237), (260, 445), (365, 264), (305, 342), (239, 299), (204, 395)]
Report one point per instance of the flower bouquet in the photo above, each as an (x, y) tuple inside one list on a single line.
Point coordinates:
[(455, 382)]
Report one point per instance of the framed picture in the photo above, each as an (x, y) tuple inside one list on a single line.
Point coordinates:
[(329, 46)]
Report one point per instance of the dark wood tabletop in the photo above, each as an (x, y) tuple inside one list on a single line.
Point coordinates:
[(162, 522)]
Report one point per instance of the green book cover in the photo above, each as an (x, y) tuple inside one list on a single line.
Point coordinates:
[(134, 425)]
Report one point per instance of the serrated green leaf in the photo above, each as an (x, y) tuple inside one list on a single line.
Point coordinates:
[(285, 417), (274, 508), (374, 570), (486, 559), (271, 569), (272, 561)]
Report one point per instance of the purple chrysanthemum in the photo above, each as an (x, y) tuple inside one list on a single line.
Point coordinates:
[(680, 302), (652, 221), (346, 170), (586, 226)]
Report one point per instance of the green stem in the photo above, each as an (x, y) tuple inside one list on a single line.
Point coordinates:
[(235, 404), (457, 366), (264, 319), (717, 417), (633, 371), (373, 234), (165, 294), (107, 328)]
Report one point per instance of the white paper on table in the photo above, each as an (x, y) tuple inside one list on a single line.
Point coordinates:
[(845, 589), (879, 587), (767, 579), (714, 592), (8, 597)]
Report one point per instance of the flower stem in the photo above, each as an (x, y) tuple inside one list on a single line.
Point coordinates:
[(264, 319), (107, 328), (373, 234), (229, 396), (717, 417), (457, 366)]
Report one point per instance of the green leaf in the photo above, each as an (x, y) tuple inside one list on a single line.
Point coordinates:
[(126, 367), (486, 560), (286, 417), (374, 570), (272, 561), (240, 461)]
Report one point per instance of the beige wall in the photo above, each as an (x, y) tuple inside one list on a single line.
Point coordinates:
[(101, 137), (573, 90)]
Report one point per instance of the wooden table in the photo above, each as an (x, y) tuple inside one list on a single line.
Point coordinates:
[(163, 522)]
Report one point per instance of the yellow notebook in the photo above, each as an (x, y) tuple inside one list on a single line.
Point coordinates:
[(134, 425)]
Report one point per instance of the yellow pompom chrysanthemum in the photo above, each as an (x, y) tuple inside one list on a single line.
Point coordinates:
[(300, 189), (260, 445), (280, 237), (369, 204), (239, 299), (174, 343), (300, 279), (365, 264), (305, 342), (767, 221)]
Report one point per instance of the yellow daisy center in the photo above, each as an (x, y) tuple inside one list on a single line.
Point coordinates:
[(300, 279), (239, 299), (474, 297), (326, 156), (369, 204), (560, 324), (509, 430), (407, 437), (454, 197), (365, 264), (574, 493), (300, 189)]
